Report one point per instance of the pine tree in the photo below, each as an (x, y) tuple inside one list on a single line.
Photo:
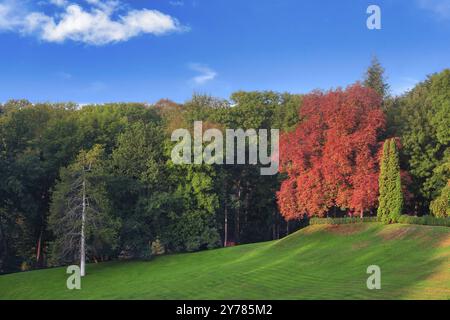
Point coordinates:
[(374, 78), (390, 186)]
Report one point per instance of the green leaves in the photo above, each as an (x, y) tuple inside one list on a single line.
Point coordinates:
[(440, 207), (390, 205), (424, 125)]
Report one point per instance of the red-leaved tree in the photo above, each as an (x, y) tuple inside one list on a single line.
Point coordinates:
[(331, 157)]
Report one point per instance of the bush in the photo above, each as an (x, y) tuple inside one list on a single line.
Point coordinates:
[(405, 219), (345, 220), (425, 220), (440, 207)]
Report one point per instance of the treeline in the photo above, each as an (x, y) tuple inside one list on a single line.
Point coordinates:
[(420, 120), (115, 159), (118, 157)]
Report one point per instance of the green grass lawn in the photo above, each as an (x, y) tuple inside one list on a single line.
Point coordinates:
[(319, 262)]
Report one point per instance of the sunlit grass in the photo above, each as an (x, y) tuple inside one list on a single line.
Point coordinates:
[(319, 262)]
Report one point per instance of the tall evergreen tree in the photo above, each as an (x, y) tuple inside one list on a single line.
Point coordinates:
[(375, 79), (383, 199), (397, 193), (390, 186)]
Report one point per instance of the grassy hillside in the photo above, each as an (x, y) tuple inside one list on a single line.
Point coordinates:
[(319, 262)]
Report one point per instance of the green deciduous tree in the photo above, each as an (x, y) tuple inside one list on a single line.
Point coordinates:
[(138, 188), (422, 120)]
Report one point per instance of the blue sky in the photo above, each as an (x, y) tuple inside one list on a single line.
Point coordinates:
[(93, 51)]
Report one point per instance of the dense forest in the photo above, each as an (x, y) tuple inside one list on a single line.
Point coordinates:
[(56, 157)]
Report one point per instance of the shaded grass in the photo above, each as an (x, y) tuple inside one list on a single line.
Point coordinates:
[(318, 262)]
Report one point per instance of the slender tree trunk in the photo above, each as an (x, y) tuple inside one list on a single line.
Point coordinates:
[(225, 212), (4, 244), (225, 237), (273, 231), (83, 221), (38, 249), (238, 216), (247, 202), (287, 228), (275, 226)]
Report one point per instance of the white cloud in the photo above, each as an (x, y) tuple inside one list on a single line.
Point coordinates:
[(101, 23), (205, 74), (4, 13), (59, 3), (108, 6), (440, 8), (10, 11)]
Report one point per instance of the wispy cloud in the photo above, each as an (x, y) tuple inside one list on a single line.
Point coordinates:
[(10, 15), (176, 3), (64, 75), (59, 3), (95, 23), (441, 8), (205, 75)]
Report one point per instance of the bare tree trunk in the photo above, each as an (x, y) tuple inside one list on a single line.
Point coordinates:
[(4, 244), (38, 249), (238, 214), (274, 226), (287, 228), (82, 245), (225, 237), (273, 231)]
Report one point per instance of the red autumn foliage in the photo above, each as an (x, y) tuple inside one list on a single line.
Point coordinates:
[(331, 158)]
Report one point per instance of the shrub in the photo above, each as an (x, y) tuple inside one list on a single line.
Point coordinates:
[(338, 221), (405, 219), (425, 220), (440, 207)]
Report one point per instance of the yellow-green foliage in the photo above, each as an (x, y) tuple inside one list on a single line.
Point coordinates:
[(391, 196), (440, 207)]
